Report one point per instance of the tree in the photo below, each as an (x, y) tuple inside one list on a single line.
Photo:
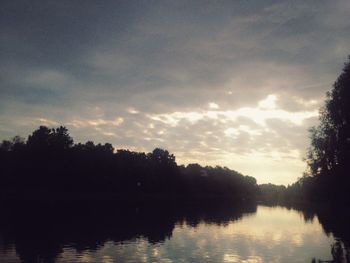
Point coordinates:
[(60, 139), (45, 139), (50, 162), (329, 152), (330, 141), (39, 140), (162, 157), (6, 146)]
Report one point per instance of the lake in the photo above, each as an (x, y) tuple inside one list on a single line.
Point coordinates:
[(165, 233)]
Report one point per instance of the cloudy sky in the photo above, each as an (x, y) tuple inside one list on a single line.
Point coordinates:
[(235, 83)]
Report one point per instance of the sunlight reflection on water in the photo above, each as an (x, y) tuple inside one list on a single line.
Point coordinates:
[(269, 235)]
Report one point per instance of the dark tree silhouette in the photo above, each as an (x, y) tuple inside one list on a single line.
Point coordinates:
[(50, 166), (328, 156), (49, 140), (272, 194), (330, 141)]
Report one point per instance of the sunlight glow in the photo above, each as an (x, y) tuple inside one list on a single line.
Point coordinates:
[(111, 134), (44, 121), (231, 258), (132, 111), (231, 132), (266, 110), (268, 103), (96, 122), (307, 102), (213, 105), (267, 166)]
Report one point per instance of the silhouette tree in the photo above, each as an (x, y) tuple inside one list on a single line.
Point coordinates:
[(49, 163), (45, 139), (329, 153), (39, 140), (60, 139), (6, 146), (330, 141)]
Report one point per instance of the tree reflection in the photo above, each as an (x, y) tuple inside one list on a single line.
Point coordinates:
[(340, 254), (40, 233), (335, 221)]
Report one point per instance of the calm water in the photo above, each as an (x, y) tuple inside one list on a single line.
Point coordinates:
[(159, 234)]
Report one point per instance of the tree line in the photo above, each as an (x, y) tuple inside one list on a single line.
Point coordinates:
[(328, 157), (49, 163), (327, 179)]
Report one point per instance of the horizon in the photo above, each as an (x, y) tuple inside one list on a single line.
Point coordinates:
[(235, 84), (115, 150)]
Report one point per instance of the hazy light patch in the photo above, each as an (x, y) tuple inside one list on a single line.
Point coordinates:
[(155, 140), (268, 103), (234, 132), (270, 166), (266, 109), (213, 105), (247, 129), (107, 259), (231, 132), (47, 122), (275, 156), (203, 143), (155, 252), (261, 165), (95, 122), (132, 111), (264, 167), (211, 114), (304, 102), (259, 141), (111, 134), (174, 118), (231, 258), (261, 115), (85, 257)]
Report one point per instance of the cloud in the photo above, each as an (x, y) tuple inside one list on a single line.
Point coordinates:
[(266, 110), (208, 80)]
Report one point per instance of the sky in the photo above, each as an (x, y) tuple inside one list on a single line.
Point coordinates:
[(232, 83)]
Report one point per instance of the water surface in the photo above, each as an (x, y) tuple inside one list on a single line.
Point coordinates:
[(158, 234)]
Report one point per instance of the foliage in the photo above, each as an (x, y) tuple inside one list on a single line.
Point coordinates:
[(328, 156), (49, 163), (270, 193), (330, 141)]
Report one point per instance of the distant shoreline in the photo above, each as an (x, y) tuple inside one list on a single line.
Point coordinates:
[(115, 197)]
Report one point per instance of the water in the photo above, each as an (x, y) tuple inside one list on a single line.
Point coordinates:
[(225, 233)]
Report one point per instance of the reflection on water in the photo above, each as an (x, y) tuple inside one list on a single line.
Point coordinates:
[(164, 233)]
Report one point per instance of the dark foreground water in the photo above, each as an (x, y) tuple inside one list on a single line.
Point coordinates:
[(206, 233)]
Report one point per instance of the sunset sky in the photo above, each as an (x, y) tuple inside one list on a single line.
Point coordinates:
[(231, 83)]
